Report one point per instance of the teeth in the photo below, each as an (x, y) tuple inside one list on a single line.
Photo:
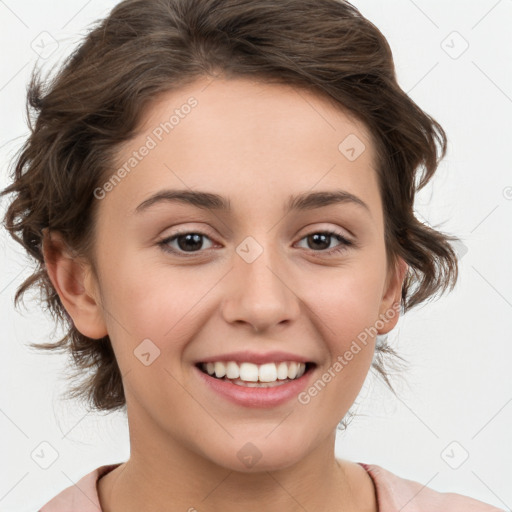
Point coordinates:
[(292, 370), (267, 372), (249, 372), (242, 383), (232, 370), (220, 369), (282, 371)]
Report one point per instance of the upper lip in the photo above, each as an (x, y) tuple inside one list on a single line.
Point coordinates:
[(256, 358)]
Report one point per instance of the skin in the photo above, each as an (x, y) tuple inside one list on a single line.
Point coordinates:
[(256, 144)]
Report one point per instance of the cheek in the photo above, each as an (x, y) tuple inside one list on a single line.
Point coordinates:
[(346, 304), (347, 300), (345, 326), (149, 301)]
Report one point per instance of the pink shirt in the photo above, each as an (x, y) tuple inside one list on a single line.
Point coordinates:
[(394, 494)]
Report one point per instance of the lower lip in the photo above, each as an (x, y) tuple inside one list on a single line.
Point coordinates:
[(257, 397)]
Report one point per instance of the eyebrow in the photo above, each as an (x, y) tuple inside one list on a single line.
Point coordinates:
[(210, 201)]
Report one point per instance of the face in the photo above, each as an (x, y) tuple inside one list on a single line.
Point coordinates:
[(260, 276)]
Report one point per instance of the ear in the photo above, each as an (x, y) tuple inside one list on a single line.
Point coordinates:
[(389, 311), (73, 280)]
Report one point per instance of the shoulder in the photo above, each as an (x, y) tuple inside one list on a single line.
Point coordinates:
[(396, 493), (81, 496)]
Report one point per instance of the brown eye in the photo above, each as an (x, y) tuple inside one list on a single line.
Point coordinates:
[(321, 240), (191, 242)]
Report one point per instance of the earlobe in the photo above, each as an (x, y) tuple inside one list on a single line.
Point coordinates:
[(390, 305), (70, 276)]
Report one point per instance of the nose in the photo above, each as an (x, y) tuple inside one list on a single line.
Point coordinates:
[(260, 293)]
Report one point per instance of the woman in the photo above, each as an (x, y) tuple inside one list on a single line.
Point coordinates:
[(220, 197)]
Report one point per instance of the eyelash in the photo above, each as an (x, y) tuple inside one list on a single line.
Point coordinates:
[(345, 243)]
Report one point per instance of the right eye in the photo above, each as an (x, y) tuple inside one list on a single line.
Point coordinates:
[(185, 240)]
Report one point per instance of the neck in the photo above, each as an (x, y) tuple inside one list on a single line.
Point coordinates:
[(167, 475)]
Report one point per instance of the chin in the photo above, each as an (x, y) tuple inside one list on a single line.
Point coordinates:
[(259, 454)]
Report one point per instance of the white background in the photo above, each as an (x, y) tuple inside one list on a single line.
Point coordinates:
[(459, 387)]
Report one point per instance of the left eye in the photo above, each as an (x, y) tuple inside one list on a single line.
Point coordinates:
[(319, 237), (191, 242)]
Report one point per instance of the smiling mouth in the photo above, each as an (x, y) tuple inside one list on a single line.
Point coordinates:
[(253, 375)]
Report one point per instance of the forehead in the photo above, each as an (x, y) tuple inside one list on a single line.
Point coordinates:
[(246, 137), (263, 110)]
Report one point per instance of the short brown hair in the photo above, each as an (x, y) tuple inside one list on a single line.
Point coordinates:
[(147, 47)]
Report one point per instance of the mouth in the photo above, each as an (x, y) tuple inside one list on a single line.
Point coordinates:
[(247, 374)]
